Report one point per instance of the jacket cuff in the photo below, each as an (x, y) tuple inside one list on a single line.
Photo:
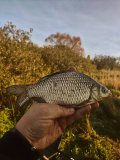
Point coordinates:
[(14, 145)]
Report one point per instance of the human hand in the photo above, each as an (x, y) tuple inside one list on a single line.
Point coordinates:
[(43, 123)]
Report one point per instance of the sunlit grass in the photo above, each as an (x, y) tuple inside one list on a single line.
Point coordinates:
[(108, 78)]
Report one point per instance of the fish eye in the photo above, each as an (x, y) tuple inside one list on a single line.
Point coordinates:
[(104, 90)]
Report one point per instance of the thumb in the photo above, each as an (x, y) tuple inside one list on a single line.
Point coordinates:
[(60, 111)]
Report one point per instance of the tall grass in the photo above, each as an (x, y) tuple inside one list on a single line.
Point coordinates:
[(108, 78)]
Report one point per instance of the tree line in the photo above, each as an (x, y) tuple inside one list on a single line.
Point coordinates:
[(107, 62), (22, 60)]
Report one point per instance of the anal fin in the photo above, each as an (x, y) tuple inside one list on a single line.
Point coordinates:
[(21, 100)]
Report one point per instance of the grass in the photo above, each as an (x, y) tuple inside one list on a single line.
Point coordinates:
[(108, 78)]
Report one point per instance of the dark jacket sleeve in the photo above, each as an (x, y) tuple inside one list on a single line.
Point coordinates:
[(13, 146)]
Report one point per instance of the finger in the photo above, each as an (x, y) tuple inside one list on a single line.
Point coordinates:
[(95, 105), (58, 111), (79, 114), (62, 123)]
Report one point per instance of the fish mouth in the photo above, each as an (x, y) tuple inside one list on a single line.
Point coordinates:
[(110, 94)]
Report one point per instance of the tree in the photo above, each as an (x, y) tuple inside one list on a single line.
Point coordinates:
[(10, 31), (105, 62), (17, 53), (118, 63), (59, 58), (63, 39)]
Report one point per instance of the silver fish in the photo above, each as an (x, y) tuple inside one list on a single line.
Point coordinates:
[(70, 89)]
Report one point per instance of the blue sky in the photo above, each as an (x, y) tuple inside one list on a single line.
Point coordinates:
[(97, 22)]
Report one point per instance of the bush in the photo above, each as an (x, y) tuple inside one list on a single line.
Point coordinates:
[(6, 121), (88, 146)]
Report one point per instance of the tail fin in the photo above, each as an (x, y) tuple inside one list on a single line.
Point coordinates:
[(20, 92), (16, 89)]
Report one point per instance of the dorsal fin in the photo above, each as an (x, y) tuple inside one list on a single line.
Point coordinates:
[(71, 69), (56, 73)]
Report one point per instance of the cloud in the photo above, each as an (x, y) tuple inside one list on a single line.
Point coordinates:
[(95, 21)]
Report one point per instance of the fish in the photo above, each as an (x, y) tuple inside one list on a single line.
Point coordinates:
[(67, 88)]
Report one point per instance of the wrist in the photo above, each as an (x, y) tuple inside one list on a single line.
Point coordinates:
[(34, 139), (24, 132), (16, 146), (31, 136), (23, 139), (43, 153)]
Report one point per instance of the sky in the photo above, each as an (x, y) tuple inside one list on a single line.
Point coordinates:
[(96, 22)]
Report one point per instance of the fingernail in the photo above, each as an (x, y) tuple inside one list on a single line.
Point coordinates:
[(89, 108), (71, 110)]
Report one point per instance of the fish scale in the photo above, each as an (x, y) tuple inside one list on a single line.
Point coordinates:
[(64, 88), (65, 83)]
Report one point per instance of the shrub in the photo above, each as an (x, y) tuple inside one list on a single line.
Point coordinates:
[(88, 146), (6, 121)]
